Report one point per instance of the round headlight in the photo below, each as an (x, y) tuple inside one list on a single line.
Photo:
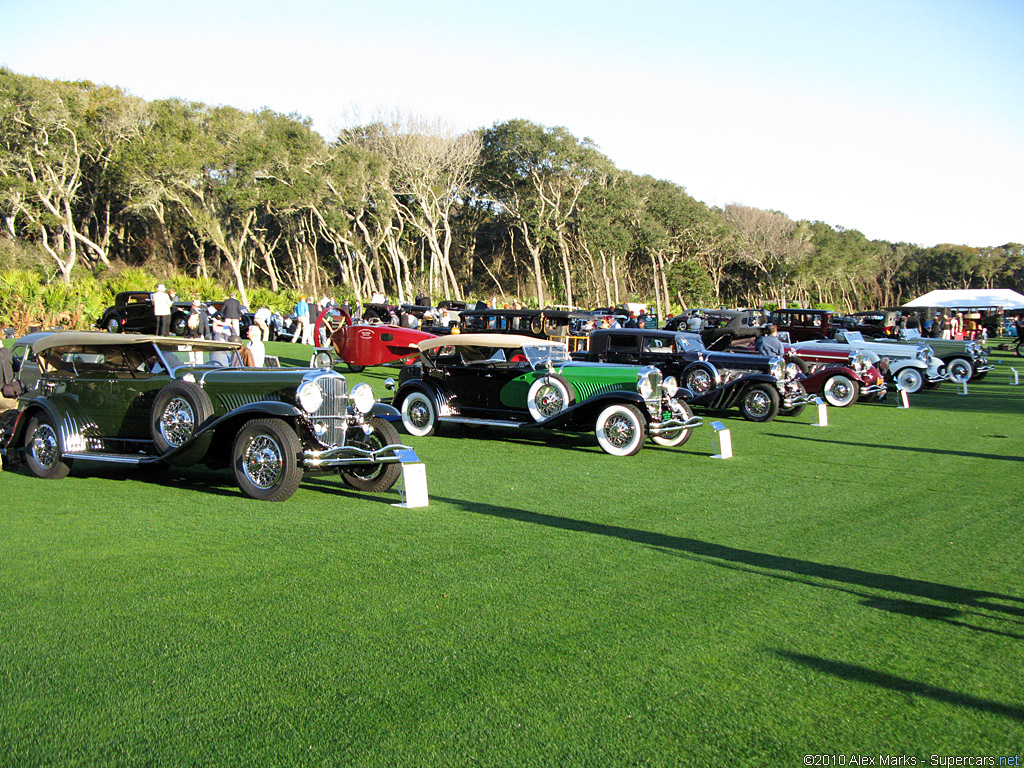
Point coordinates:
[(778, 368), (362, 398), (646, 387), (671, 386), (310, 397)]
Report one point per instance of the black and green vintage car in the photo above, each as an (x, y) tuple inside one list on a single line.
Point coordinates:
[(508, 380), (149, 400)]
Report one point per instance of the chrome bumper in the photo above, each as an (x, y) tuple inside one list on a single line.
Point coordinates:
[(673, 424), (873, 389), (346, 455), (792, 401)]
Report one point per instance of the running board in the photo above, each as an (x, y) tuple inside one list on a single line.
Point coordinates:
[(481, 422), (114, 458)]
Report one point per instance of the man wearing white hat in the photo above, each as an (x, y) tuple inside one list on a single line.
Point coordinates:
[(162, 311)]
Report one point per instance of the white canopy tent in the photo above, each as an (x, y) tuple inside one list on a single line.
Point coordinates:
[(971, 299)]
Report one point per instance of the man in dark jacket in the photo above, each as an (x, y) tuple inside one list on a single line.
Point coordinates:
[(231, 310)]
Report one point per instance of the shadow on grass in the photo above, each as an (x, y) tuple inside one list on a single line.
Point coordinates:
[(946, 593), (914, 448), (899, 606), (860, 674), (220, 482)]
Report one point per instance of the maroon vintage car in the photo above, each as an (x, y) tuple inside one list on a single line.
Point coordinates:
[(841, 378), (803, 324)]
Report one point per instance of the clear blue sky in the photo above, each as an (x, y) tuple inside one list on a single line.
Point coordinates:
[(903, 119)]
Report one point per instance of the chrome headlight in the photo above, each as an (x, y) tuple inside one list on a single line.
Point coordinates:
[(925, 354), (362, 397), (670, 385), (859, 362), (310, 397), (778, 368), (649, 384)]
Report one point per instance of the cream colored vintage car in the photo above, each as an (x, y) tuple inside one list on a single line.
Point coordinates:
[(910, 367)]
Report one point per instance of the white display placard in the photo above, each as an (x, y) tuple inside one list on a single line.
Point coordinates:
[(724, 438), (414, 486), (822, 413)]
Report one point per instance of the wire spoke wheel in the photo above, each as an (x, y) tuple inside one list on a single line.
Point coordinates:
[(621, 430), (177, 421), (265, 458), (262, 461)]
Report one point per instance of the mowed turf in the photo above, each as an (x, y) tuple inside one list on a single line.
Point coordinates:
[(849, 589)]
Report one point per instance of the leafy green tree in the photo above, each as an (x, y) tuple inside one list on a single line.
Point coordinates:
[(535, 176)]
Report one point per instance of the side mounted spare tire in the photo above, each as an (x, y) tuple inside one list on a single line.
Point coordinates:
[(701, 377), (179, 410), (549, 395)]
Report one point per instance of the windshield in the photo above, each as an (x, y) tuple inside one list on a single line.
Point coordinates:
[(688, 342), (556, 353), (175, 355)]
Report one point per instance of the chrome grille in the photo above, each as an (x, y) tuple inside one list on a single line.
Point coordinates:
[(334, 411)]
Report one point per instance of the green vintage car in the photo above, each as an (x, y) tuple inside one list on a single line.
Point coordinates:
[(151, 400), (507, 380)]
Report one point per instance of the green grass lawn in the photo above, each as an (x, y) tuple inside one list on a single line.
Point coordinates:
[(849, 589)]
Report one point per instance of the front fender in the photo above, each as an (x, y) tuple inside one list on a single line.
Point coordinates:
[(386, 412), (73, 425), (585, 414), (440, 395)]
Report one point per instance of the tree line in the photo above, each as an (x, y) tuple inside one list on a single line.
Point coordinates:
[(97, 181)]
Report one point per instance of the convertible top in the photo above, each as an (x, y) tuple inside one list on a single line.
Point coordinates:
[(105, 339), (503, 340)]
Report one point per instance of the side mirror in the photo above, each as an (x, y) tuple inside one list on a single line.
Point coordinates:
[(389, 384)]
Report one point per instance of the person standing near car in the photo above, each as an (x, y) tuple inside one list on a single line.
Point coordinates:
[(162, 310), (231, 311), (301, 320), (262, 319), (769, 343), (307, 331), (196, 326)]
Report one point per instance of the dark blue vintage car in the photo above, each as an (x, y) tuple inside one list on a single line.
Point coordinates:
[(759, 386)]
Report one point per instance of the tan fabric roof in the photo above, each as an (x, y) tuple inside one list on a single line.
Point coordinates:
[(105, 339), (502, 340)]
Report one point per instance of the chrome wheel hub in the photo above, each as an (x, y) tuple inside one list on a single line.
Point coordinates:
[(177, 422), (262, 461), (549, 400), (758, 403), (419, 415), (44, 446), (620, 431)]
